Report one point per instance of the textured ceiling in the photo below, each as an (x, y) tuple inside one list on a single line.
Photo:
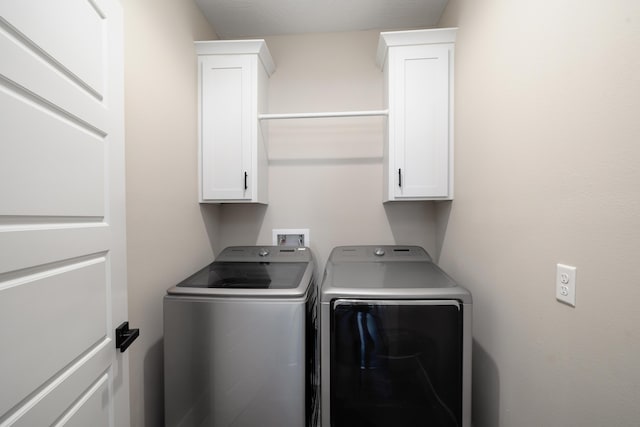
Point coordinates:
[(253, 18)]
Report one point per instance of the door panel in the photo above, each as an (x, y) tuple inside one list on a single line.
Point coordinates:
[(71, 326), (89, 410), (226, 127), (396, 363), (51, 400), (62, 270), (51, 181), (422, 102), (78, 26), (42, 79), (34, 242)]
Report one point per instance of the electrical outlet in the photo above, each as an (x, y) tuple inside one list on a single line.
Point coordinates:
[(566, 284)]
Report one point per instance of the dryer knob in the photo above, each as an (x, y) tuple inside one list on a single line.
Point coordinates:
[(263, 252), (378, 252)]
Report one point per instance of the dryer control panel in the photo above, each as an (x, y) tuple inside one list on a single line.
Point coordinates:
[(379, 253)]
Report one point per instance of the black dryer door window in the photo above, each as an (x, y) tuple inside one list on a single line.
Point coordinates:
[(396, 363)]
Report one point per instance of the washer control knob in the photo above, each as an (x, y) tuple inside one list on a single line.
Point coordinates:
[(378, 252), (263, 252)]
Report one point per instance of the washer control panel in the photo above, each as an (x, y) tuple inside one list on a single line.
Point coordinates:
[(265, 254)]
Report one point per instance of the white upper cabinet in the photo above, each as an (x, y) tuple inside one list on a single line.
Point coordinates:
[(418, 79), (233, 80)]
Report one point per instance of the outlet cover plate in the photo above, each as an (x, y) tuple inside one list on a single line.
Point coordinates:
[(566, 284)]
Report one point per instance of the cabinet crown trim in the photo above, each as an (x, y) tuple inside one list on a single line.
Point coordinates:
[(238, 47), (413, 37)]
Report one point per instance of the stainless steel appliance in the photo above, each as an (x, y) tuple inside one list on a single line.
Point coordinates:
[(240, 339), (395, 340)]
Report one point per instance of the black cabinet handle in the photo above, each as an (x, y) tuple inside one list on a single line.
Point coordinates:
[(399, 177), (125, 336), (245, 180)]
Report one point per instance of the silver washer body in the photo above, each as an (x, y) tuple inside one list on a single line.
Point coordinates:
[(236, 350)]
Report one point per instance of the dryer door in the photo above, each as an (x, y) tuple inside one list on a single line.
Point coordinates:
[(396, 363)]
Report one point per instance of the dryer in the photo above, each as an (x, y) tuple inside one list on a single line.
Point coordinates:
[(395, 340), (240, 339)]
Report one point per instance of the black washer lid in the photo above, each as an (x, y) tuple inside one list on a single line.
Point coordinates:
[(247, 275), (252, 271)]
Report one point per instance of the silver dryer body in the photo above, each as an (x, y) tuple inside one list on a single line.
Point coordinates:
[(395, 340), (239, 341)]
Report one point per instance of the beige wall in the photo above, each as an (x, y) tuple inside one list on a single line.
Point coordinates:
[(547, 171), (169, 235), (326, 174), (547, 149)]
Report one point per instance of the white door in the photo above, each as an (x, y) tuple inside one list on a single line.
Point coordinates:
[(62, 245)]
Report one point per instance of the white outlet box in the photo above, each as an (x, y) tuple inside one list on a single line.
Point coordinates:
[(566, 284), (290, 237)]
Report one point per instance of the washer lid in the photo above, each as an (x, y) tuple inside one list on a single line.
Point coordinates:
[(252, 271), (247, 275)]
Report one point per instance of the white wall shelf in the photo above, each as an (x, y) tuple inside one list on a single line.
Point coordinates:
[(322, 115)]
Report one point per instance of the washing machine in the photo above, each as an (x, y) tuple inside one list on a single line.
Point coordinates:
[(240, 339), (395, 340)]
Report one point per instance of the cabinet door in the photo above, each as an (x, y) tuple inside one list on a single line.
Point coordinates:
[(226, 126), (420, 121)]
